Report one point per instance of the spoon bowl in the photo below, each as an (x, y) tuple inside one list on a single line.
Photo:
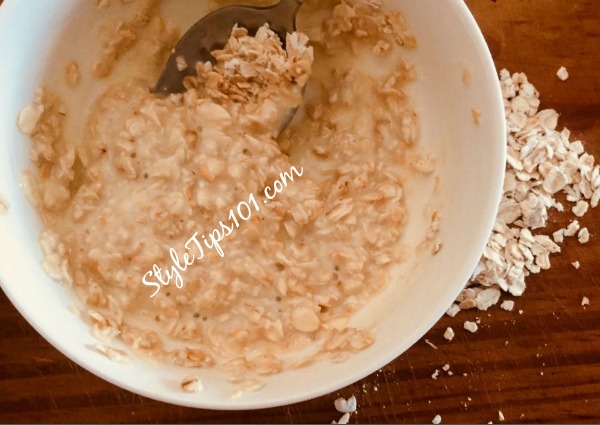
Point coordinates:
[(212, 32)]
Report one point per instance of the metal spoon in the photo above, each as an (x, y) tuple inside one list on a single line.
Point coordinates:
[(213, 31)]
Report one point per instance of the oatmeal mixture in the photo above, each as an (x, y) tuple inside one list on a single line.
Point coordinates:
[(149, 172)]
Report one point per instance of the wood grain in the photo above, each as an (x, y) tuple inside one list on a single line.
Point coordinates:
[(539, 366)]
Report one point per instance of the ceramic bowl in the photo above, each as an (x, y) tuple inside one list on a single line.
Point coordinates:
[(34, 35)]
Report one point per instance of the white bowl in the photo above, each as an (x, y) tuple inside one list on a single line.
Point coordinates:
[(471, 171)]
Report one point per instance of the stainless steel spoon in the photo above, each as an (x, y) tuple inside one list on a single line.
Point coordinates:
[(213, 31)]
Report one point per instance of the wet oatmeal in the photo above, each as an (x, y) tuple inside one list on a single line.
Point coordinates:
[(149, 172)]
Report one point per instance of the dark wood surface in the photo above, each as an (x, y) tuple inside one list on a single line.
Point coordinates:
[(549, 371)]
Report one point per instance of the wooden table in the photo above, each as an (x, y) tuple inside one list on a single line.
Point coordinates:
[(548, 371)]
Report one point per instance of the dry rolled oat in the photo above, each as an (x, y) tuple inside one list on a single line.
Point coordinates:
[(449, 334), (541, 163), (507, 305), (562, 73), (345, 406), (471, 326), (343, 420), (583, 236)]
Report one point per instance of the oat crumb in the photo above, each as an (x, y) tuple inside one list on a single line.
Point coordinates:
[(562, 73), (181, 63), (471, 326), (576, 264), (585, 301), (583, 236), (449, 334), (500, 416), (507, 305), (559, 236), (345, 406), (437, 420), (453, 310), (344, 419)]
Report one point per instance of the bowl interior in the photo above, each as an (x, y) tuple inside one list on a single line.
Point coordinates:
[(470, 170)]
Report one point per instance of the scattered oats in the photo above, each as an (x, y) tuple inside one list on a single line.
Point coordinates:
[(471, 326), (500, 416), (576, 264), (345, 406), (181, 63), (191, 384), (520, 311), (476, 116), (435, 374), (583, 236), (507, 305), (541, 163), (449, 334), (431, 344), (585, 301), (562, 73), (113, 354), (437, 420)]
